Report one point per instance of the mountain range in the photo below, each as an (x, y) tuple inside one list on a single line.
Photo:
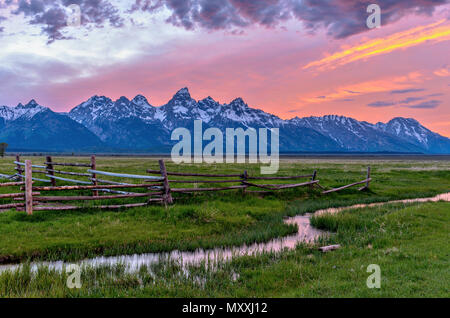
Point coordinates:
[(103, 125)]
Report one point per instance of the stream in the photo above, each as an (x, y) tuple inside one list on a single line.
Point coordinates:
[(306, 233)]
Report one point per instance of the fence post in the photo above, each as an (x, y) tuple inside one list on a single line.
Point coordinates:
[(368, 177), (50, 171), (314, 176), (19, 168), (94, 176), (28, 187), (167, 196), (244, 177)]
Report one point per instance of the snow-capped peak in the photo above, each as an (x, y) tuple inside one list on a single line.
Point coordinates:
[(132, 122), (209, 100), (31, 104), (27, 111), (406, 128), (238, 103), (182, 94), (140, 100)]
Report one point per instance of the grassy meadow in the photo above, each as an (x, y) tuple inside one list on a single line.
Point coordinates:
[(409, 242)]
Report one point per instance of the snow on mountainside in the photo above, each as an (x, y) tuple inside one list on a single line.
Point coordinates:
[(353, 135), (36, 128), (411, 130), (136, 125), (182, 107), (335, 133), (103, 108), (28, 111)]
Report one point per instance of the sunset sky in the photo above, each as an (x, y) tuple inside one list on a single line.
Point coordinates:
[(287, 57)]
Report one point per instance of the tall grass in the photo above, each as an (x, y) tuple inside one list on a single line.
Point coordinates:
[(409, 243), (203, 220)]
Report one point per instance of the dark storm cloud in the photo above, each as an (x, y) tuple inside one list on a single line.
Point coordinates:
[(52, 15), (341, 18)]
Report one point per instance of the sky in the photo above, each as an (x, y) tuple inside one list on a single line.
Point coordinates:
[(287, 57)]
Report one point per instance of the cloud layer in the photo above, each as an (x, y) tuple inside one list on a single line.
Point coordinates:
[(432, 33), (53, 15), (411, 102), (340, 18)]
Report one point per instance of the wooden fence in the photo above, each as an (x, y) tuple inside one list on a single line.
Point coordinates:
[(159, 188)]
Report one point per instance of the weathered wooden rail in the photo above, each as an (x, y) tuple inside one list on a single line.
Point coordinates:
[(31, 199), (366, 182), (241, 184), (153, 188)]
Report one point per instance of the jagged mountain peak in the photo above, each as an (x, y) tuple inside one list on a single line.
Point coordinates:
[(239, 102), (31, 104), (209, 100), (182, 94), (412, 131), (338, 118), (125, 122), (27, 111), (409, 121), (140, 100), (96, 100), (123, 100)]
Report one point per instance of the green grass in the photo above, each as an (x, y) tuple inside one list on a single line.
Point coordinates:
[(409, 243), (203, 220)]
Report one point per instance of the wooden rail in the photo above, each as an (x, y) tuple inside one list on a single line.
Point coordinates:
[(109, 182), (179, 174), (366, 182), (91, 187), (24, 164), (281, 186), (11, 184), (87, 198), (68, 180), (69, 164), (124, 175), (34, 179), (155, 188), (208, 189)]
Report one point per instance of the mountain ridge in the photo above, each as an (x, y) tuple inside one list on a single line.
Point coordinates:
[(136, 125)]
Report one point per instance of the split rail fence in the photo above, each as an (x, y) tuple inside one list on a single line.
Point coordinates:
[(157, 186)]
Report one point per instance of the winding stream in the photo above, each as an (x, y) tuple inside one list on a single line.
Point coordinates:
[(306, 233)]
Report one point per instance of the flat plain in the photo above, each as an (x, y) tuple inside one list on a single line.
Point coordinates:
[(408, 241)]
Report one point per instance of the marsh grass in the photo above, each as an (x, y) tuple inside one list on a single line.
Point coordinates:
[(409, 243), (204, 220)]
